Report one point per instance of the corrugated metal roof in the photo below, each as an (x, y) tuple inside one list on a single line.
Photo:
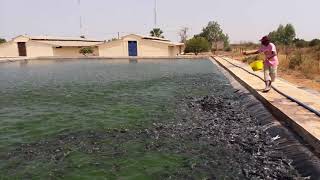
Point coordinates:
[(57, 38), (170, 43), (69, 43), (147, 37), (155, 39)]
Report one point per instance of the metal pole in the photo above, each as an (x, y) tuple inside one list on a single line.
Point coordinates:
[(80, 18), (155, 14)]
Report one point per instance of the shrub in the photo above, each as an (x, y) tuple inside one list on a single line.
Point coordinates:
[(197, 45), (300, 43), (314, 42), (228, 49), (309, 67), (295, 60), (86, 50), (2, 40)]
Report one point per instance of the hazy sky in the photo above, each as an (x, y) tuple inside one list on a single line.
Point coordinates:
[(243, 20)]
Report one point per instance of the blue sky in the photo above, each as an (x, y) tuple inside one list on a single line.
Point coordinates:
[(243, 20)]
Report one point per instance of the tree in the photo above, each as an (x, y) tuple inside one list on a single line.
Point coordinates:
[(112, 39), (284, 35), (300, 43), (183, 33), (86, 50), (226, 42), (156, 32), (196, 45), (314, 42), (2, 40), (214, 34), (289, 34)]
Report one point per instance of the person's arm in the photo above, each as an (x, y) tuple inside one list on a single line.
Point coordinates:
[(273, 55), (273, 52), (251, 53)]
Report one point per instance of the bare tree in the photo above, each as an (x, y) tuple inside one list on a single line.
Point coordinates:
[(183, 33)]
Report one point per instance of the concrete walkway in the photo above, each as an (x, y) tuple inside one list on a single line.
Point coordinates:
[(304, 122), (12, 59)]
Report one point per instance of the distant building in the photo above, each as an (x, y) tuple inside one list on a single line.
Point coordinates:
[(37, 46), (130, 45), (139, 45)]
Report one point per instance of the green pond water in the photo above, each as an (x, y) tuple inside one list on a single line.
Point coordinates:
[(40, 100)]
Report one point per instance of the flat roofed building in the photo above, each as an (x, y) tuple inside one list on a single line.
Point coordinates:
[(139, 45), (44, 46), (129, 45)]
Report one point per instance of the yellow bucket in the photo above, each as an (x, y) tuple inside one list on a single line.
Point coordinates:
[(257, 65)]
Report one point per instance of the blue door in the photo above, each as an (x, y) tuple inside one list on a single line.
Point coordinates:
[(132, 47)]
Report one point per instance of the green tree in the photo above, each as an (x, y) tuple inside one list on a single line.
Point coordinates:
[(156, 32), (289, 34), (197, 44), (284, 35), (2, 40), (226, 42), (86, 50), (214, 34)]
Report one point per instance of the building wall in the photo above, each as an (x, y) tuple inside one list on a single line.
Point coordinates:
[(95, 51), (145, 47), (9, 49), (151, 48), (175, 50), (71, 51), (66, 51), (113, 49), (35, 49), (21, 39)]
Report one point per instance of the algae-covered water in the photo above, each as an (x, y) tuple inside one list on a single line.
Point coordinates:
[(41, 100), (129, 119)]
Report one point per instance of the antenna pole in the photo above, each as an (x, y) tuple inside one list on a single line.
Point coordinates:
[(155, 14), (80, 18)]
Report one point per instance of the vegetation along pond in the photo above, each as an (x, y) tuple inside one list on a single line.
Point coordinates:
[(129, 119)]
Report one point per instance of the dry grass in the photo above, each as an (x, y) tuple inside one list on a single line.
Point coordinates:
[(300, 66)]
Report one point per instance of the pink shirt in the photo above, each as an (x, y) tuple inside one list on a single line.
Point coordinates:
[(267, 50)]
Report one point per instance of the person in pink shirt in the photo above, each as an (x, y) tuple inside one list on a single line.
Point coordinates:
[(270, 63)]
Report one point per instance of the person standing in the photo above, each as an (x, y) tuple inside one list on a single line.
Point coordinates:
[(271, 61)]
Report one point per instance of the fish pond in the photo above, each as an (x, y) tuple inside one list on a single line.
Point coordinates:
[(129, 119)]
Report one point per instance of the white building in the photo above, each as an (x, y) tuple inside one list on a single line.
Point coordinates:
[(138, 45), (130, 45), (38, 46)]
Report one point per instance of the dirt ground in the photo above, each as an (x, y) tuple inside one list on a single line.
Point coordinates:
[(299, 79), (293, 77)]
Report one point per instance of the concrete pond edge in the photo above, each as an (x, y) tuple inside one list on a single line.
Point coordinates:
[(276, 112)]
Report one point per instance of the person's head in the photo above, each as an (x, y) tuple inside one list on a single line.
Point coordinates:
[(265, 40)]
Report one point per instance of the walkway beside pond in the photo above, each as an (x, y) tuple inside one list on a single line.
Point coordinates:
[(304, 122)]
